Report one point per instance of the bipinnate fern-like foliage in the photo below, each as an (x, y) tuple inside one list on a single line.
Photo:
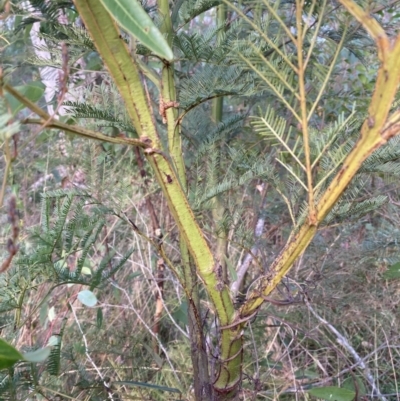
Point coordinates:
[(71, 225), (54, 359), (59, 253), (253, 58), (105, 118), (188, 10)]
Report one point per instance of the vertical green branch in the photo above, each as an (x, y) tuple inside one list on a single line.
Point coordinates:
[(230, 370), (124, 71), (168, 100), (303, 109), (169, 114), (218, 207), (375, 132)]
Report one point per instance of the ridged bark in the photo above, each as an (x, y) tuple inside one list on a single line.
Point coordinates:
[(378, 128), (125, 73)]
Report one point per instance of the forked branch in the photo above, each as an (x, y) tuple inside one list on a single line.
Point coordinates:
[(377, 129)]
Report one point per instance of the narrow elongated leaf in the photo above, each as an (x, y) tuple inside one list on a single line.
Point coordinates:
[(99, 318), (355, 383), (333, 393), (8, 355), (131, 16)]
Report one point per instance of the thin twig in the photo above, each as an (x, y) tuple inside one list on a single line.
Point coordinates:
[(344, 342), (105, 383), (148, 328), (302, 388)]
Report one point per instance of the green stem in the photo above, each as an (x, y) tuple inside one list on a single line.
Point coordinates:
[(219, 209), (124, 71), (201, 377), (168, 100), (87, 133), (111, 46), (375, 132), (230, 369)]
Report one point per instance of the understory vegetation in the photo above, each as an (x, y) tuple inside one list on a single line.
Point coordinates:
[(126, 171)]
